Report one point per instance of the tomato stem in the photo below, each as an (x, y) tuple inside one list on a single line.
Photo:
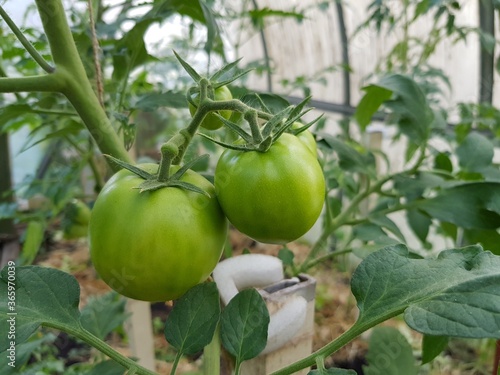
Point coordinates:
[(252, 118)]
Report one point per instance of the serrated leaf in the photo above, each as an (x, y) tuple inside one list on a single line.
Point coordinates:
[(457, 294), (43, 296), (432, 346), (475, 152), (191, 324), (244, 324), (102, 314), (389, 353)]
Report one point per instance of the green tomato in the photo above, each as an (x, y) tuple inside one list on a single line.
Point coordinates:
[(306, 137), (274, 196), (211, 121), (155, 245)]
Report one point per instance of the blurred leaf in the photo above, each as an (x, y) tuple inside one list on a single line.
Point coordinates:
[(257, 15), (33, 240), (443, 162), (475, 152), (350, 159), (471, 205), (244, 324), (102, 314), (332, 371), (23, 352), (370, 103), (152, 101), (432, 346), (489, 239), (419, 223), (286, 256), (389, 353), (273, 102), (410, 105), (108, 367), (191, 324)]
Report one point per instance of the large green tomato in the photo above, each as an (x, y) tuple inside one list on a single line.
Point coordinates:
[(155, 245), (211, 121), (307, 138), (275, 196)]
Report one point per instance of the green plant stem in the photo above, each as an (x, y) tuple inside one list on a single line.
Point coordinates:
[(25, 42), (211, 355), (107, 350), (176, 363), (42, 83), (322, 258), (356, 329), (76, 86)]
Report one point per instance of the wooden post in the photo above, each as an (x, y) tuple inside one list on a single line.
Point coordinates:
[(9, 243), (140, 333)]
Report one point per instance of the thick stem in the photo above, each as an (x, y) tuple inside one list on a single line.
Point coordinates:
[(211, 356), (42, 83), (252, 118), (25, 42), (77, 87), (169, 154)]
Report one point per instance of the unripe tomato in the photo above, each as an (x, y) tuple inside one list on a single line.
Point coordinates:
[(274, 196), (211, 122), (155, 245), (307, 138)]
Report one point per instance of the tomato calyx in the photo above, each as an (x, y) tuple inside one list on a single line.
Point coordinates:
[(262, 138), (152, 181)]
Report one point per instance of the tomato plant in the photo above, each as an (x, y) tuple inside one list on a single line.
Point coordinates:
[(264, 193), (211, 121), (155, 245), (306, 137)]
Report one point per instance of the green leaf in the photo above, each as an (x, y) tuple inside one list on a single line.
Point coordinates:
[(23, 353), (475, 152), (388, 224), (211, 24), (489, 239), (414, 116), (471, 205), (457, 294), (33, 241), (443, 162), (432, 346), (188, 68), (244, 324), (102, 314), (191, 324), (389, 353), (108, 367), (332, 371), (419, 223), (272, 102), (286, 256), (42, 296), (370, 103), (350, 159), (152, 101)]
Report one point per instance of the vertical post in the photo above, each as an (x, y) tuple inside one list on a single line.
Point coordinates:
[(486, 74), (8, 236)]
